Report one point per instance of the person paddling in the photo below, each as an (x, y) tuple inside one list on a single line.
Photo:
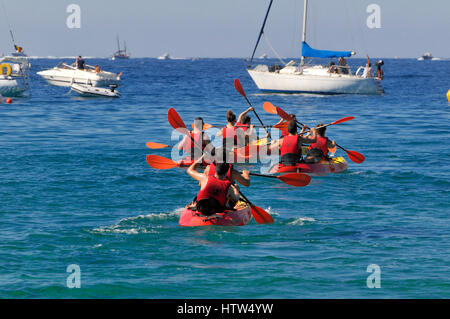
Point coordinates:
[(232, 174), (244, 123), (215, 190), (318, 150), (231, 137), (290, 146), (200, 138)]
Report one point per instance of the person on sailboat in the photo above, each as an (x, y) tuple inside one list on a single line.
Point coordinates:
[(290, 146), (380, 73), (319, 149), (343, 65), (368, 69), (333, 68)]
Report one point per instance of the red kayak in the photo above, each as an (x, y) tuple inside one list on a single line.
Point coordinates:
[(335, 165), (239, 217)]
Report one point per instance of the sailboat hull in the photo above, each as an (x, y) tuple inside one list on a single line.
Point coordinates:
[(317, 84)]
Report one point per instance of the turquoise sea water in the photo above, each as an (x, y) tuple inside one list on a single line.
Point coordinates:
[(75, 189)]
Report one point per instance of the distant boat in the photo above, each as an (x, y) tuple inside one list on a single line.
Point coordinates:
[(427, 56), (303, 77), (120, 54), (264, 56), (165, 56)]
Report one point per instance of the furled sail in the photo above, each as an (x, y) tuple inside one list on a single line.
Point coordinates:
[(307, 51)]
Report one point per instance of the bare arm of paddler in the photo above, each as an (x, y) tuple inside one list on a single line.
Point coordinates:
[(242, 178), (308, 139), (200, 177), (244, 113)]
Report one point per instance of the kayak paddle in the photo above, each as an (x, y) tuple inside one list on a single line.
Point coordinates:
[(259, 214), (160, 162), (269, 108), (241, 91), (293, 179), (356, 157)]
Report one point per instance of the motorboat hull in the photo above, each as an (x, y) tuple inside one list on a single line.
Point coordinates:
[(11, 87), (67, 77), (91, 91)]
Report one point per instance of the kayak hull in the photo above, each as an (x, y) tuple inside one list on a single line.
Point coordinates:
[(239, 217), (336, 165)]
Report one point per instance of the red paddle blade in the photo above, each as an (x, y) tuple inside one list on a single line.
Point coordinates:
[(283, 126), (155, 146), (160, 162), (295, 179), (238, 87), (356, 157), (260, 215), (345, 119), (176, 122), (269, 108), (283, 114)]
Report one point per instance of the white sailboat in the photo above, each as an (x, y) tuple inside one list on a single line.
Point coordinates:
[(300, 77)]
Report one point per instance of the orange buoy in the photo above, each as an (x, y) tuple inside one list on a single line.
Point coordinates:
[(8, 100)]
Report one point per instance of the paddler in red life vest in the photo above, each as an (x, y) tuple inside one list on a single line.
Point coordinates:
[(216, 191), (200, 138), (290, 146), (285, 133), (232, 174), (231, 138), (244, 123), (319, 150)]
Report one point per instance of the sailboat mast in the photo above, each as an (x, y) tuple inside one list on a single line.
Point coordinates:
[(118, 44), (305, 11)]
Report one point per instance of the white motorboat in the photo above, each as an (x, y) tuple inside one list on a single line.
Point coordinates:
[(66, 75), (427, 57), (92, 91), (13, 76), (165, 56), (301, 77)]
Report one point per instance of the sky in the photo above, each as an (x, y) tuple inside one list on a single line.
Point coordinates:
[(225, 28)]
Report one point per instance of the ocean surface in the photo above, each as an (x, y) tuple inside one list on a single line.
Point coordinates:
[(75, 189)]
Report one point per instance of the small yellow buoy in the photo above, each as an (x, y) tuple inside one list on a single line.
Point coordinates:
[(448, 95)]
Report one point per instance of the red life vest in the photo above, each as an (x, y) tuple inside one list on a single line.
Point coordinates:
[(243, 127), (321, 144), (212, 171), (190, 147), (289, 145), (228, 132), (215, 188), (229, 137)]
